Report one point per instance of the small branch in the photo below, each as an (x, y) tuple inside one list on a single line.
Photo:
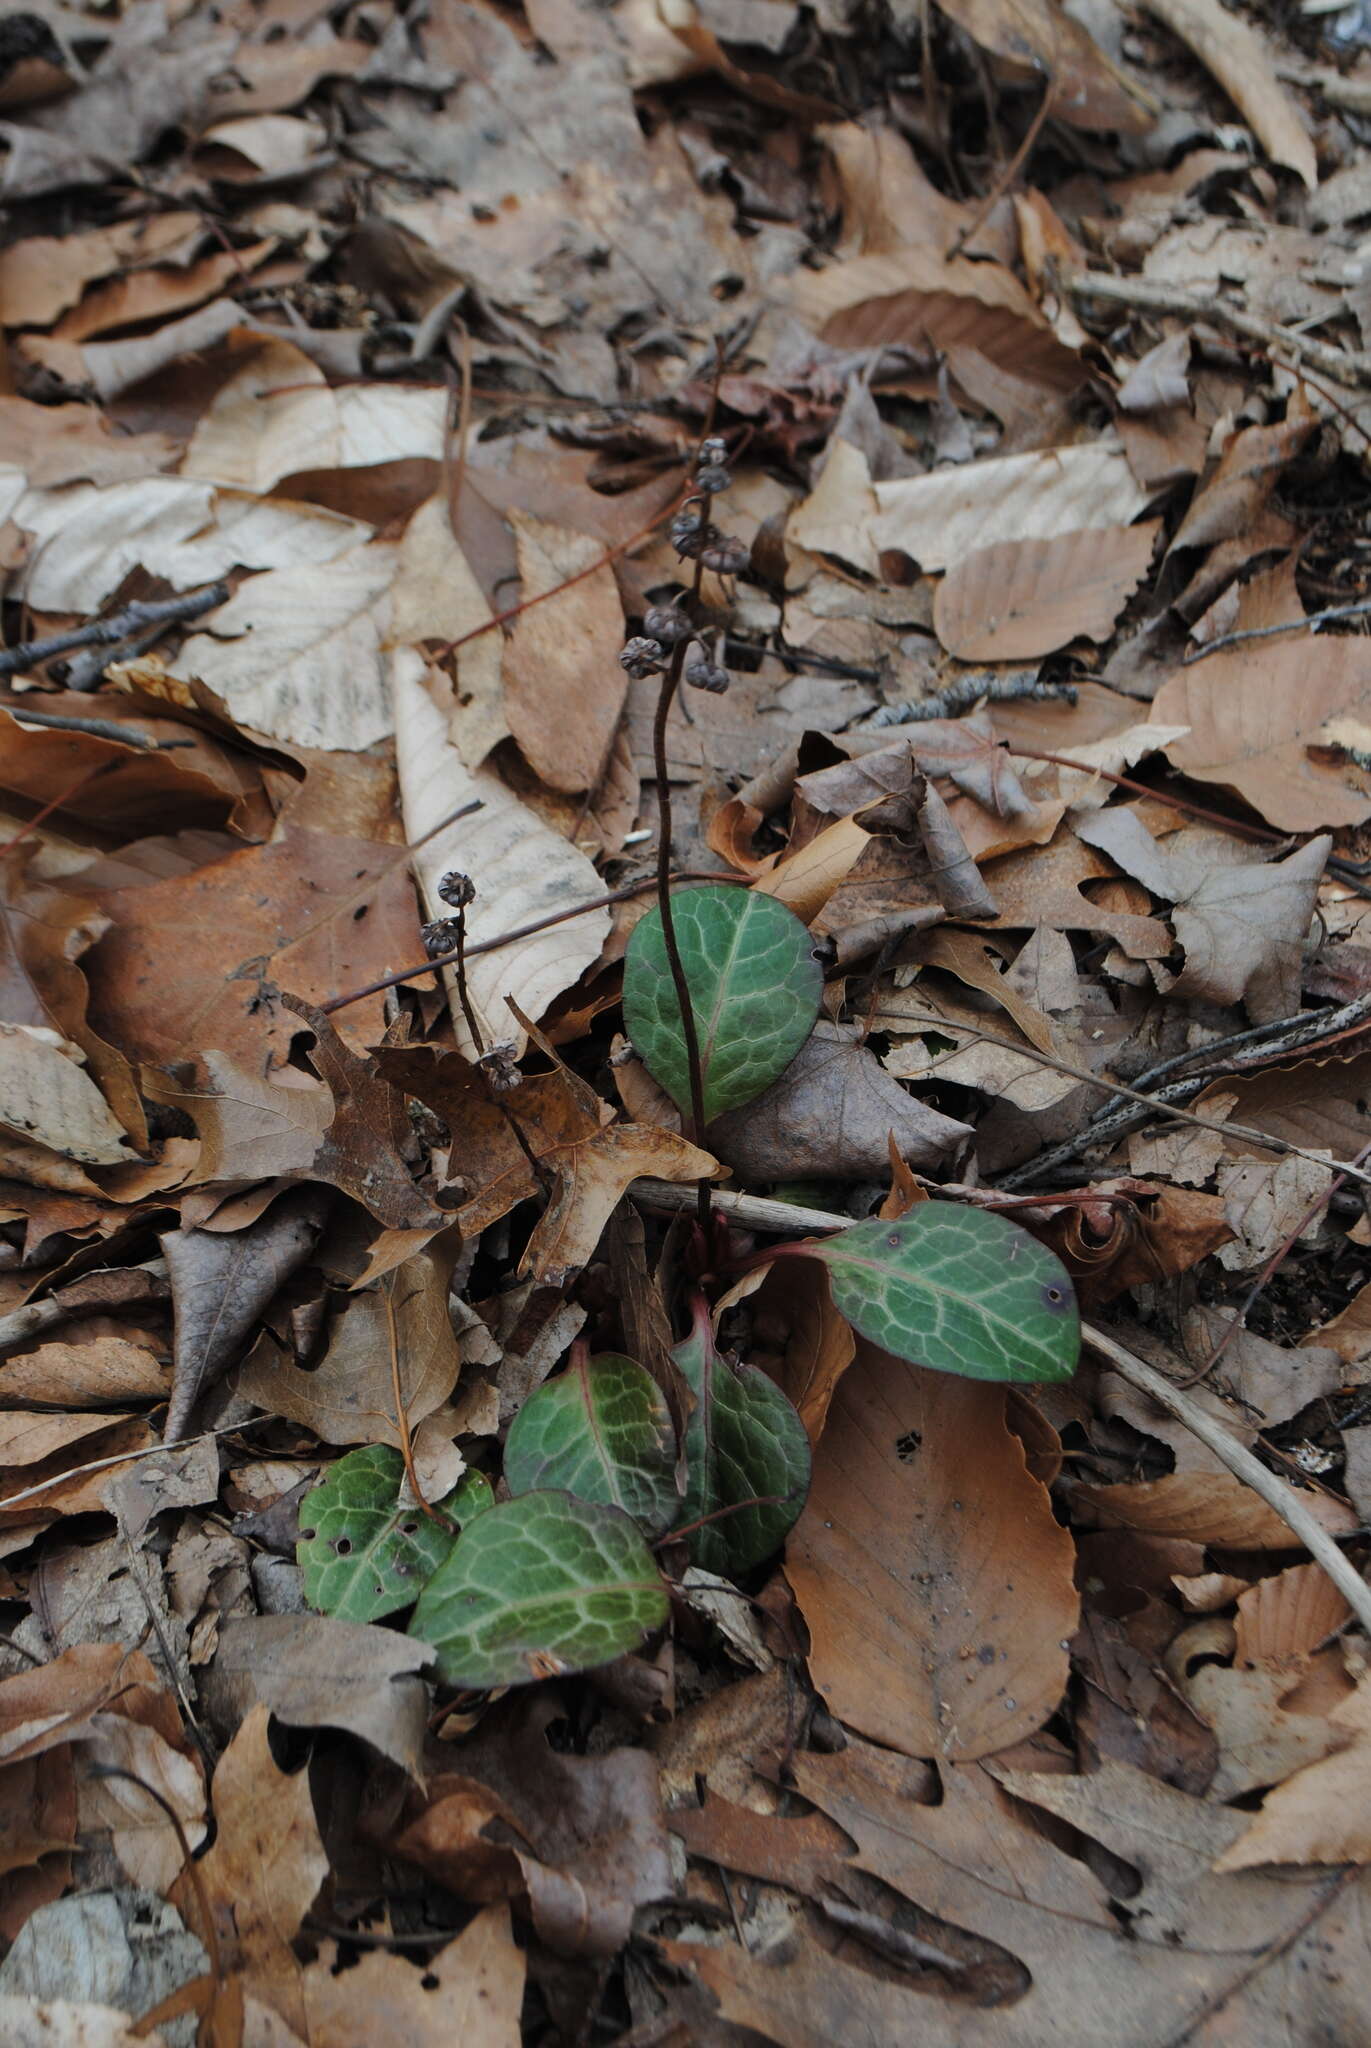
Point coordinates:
[(1310, 623), (97, 728), (134, 618), (22, 1325), (1344, 366), (1280, 1497), (968, 690), (755, 1213)]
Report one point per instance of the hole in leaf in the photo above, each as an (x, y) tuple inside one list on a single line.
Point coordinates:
[(343, 1545), (906, 1446)]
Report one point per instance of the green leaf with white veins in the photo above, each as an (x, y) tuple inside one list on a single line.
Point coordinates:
[(754, 988), (366, 1549), (602, 1431), (958, 1289), (744, 1442), (538, 1586)]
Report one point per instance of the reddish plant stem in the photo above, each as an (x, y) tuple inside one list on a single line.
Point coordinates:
[(1161, 796), (736, 1507), (535, 1165)]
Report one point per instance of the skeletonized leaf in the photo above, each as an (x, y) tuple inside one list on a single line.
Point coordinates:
[(754, 986), (958, 1289), (600, 1430), (1237, 57), (523, 870), (365, 1549), (936, 519), (538, 1586), (1022, 598), (744, 1441)]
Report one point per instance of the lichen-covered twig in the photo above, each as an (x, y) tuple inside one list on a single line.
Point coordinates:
[(960, 695), (121, 625)]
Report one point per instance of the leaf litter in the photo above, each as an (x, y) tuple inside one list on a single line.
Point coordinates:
[(463, 1574)]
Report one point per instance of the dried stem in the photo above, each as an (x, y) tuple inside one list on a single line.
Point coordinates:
[(539, 1171), (1344, 366), (134, 618)]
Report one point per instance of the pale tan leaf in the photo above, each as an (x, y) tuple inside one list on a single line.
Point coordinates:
[(1023, 598), (933, 1577), (299, 653), (564, 688), (470, 1992), (1322, 1814), (521, 868), (836, 517), (314, 1671), (42, 275), (277, 414), (937, 519), (1207, 1507), (1349, 1332), (141, 1835), (1086, 88), (182, 528), (47, 1095), (260, 146), (60, 2023), (593, 1177), (1233, 51), (435, 596)]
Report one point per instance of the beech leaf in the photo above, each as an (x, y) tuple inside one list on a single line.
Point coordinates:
[(754, 987), (960, 1290), (744, 1441), (601, 1430), (538, 1586), (365, 1547)]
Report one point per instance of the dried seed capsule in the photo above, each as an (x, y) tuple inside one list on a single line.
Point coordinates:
[(640, 657), (667, 623), (706, 675), (500, 1068), (713, 452), (715, 480), (457, 889), (725, 555), (688, 530), (441, 937)]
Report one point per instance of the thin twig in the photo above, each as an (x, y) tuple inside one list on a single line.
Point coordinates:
[(521, 931), (1283, 1499), (1310, 622), (755, 1213), (1344, 366), (15, 1500), (1005, 181), (97, 728), (163, 611), (966, 691), (22, 1325)]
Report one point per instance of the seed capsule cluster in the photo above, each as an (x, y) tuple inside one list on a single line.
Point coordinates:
[(696, 538)]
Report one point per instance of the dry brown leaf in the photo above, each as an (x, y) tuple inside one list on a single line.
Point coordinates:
[(1237, 56), (349, 1397), (47, 1096), (314, 1671), (103, 1368), (1254, 713), (888, 203), (816, 1343), (266, 1866), (1085, 88), (933, 1578), (1349, 1332), (1260, 1740), (564, 687), (1321, 1814), (1283, 1620), (522, 869), (148, 294), (938, 519), (1028, 597), (1042, 888), (471, 1991), (312, 912), (1207, 1507), (834, 1111), (42, 275), (1232, 501)]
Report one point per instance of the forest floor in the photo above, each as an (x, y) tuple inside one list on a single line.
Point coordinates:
[(816, 1679)]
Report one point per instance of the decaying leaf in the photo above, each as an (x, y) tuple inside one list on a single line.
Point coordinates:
[(1027, 597)]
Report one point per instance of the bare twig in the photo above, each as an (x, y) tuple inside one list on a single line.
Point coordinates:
[(97, 728), (134, 618), (1310, 623), (1156, 1104), (16, 1500), (754, 1213), (968, 690), (1344, 366), (22, 1325)]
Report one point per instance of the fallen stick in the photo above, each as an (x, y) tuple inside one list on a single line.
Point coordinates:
[(22, 1325), (1344, 366), (134, 618), (756, 1213)]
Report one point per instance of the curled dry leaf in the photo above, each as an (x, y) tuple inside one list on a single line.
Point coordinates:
[(1027, 597), (933, 1578), (1282, 1620), (523, 870), (1236, 55)]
